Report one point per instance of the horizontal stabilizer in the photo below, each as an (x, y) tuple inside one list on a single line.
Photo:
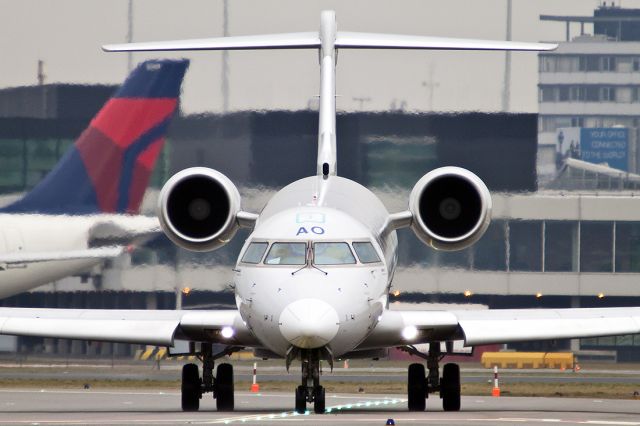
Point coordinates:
[(395, 41), (272, 41), (344, 40)]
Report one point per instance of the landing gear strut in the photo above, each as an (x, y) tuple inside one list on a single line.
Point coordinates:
[(193, 387), (310, 389), (420, 384)]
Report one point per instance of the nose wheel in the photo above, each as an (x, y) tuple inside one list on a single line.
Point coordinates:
[(310, 390)]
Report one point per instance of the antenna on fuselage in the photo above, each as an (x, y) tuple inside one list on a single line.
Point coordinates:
[(327, 40)]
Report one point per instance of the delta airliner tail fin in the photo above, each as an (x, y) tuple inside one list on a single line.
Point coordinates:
[(108, 168)]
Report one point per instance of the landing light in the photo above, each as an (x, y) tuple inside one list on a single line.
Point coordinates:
[(467, 293), (410, 332), (227, 332), (538, 295), (600, 295), (186, 290), (396, 293)]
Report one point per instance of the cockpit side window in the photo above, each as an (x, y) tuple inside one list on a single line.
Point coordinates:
[(254, 253), (286, 254), (332, 254), (366, 253)]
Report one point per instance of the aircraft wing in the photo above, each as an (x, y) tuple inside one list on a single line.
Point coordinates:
[(491, 326), (151, 327), (7, 260)]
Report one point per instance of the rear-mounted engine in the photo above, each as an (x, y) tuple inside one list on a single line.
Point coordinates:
[(451, 208), (198, 209)]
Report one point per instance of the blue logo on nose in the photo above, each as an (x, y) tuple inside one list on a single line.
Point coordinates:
[(318, 230)]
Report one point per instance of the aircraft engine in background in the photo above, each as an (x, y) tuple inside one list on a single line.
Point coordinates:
[(198, 209), (451, 208)]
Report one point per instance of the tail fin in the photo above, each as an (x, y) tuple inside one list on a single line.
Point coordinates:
[(108, 168)]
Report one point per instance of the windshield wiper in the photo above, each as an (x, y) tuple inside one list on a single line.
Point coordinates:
[(309, 262)]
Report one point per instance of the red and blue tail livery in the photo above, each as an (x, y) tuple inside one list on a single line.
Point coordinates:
[(108, 168)]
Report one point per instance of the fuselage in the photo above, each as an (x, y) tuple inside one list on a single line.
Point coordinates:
[(316, 271), (38, 233)]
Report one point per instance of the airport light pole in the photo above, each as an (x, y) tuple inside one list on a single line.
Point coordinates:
[(130, 34), (506, 90), (225, 58)]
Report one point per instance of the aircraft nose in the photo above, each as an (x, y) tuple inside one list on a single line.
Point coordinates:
[(309, 323)]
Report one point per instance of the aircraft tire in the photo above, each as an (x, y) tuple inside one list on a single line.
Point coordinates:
[(224, 388), (319, 400), (417, 388), (191, 388), (301, 400), (450, 387)]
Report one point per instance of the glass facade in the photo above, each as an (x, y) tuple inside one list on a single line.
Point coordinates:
[(627, 237), (596, 247), (560, 250), (540, 246), (525, 246)]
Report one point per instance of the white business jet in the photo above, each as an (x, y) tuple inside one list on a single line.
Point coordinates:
[(86, 209), (312, 279)]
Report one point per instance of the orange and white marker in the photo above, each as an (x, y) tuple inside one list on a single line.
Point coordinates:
[(255, 387), (496, 386)]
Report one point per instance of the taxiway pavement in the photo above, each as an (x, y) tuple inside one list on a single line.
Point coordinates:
[(118, 407)]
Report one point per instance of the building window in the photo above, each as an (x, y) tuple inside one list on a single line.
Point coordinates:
[(560, 246), (577, 122), (577, 93), (592, 94), (525, 246), (636, 64), (608, 94), (563, 93), (627, 247), (547, 94), (596, 246), (609, 63), (490, 250), (589, 63)]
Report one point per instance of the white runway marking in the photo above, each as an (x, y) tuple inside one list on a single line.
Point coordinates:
[(292, 414)]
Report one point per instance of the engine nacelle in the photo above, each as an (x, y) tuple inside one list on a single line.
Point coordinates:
[(451, 208), (198, 209)]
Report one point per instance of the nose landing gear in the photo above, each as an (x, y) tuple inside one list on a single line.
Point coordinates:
[(193, 386), (421, 385), (310, 389)]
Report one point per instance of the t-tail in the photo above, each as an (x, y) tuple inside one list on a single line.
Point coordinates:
[(327, 41), (108, 168)]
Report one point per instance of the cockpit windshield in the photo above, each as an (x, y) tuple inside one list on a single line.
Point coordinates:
[(286, 254), (332, 254), (311, 253), (254, 253), (366, 253)]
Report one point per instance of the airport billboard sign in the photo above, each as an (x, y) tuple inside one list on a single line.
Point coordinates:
[(605, 145)]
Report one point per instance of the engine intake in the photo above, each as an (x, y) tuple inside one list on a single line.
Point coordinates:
[(198, 209), (451, 208)]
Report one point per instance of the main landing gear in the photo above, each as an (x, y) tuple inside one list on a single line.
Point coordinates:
[(310, 389), (420, 385), (193, 386)]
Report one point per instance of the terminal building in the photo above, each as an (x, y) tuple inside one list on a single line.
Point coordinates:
[(565, 226), (589, 93)]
